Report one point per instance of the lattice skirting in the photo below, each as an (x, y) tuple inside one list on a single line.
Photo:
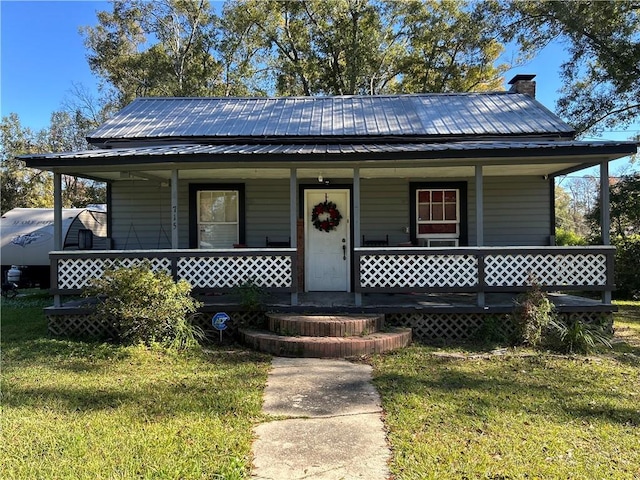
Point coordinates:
[(604, 319), (79, 325), (429, 327), (85, 326)]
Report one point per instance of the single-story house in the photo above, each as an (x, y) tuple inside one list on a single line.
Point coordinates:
[(414, 205)]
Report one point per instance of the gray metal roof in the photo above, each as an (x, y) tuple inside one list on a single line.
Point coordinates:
[(399, 150), (423, 115)]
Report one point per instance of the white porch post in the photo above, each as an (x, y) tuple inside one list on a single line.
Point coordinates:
[(356, 223), (605, 216), (57, 225), (174, 209), (293, 225), (480, 227)]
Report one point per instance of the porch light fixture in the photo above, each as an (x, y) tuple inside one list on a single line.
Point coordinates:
[(320, 178)]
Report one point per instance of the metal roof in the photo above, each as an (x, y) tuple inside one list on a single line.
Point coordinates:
[(421, 115), (252, 152)]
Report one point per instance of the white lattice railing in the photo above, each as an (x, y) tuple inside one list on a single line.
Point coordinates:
[(203, 269), (483, 269)]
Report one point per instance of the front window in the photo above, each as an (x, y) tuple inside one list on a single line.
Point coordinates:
[(438, 217), (218, 213)]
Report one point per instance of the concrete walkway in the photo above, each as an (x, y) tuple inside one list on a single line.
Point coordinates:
[(333, 428)]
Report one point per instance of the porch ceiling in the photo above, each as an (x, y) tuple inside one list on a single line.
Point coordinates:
[(332, 173)]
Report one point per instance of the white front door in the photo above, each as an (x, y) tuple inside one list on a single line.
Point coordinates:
[(327, 256)]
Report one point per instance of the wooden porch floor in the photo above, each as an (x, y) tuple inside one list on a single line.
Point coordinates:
[(332, 302)]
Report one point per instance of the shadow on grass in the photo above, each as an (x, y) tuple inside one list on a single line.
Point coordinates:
[(84, 376), (164, 398), (537, 384)]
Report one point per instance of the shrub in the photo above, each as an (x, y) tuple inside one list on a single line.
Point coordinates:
[(575, 336), (627, 269), (569, 238), (252, 296), (491, 331), (532, 315), (146, 306)]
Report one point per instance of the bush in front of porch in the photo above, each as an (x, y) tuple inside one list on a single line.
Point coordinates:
[(144, 306), (538, 325)]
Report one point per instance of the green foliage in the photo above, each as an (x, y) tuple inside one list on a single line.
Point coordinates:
[(624, 200), (154, 49), (573, 201), (491, 331), (627, 267), (30, 188), (21, 186), (538, 325), (532, 315), (306, 47), (575, 336), (600, 78), (146, 306), (569, 238), (252, 296)]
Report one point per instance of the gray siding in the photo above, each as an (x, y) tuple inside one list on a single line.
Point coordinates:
[(517, 211), (384, 209), (140, 215), (267, 212)]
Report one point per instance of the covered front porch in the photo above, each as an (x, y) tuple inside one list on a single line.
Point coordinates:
[(478, 275), (441, 294)]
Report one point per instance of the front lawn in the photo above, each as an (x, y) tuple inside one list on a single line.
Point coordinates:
[(81, 410), (517, 414)]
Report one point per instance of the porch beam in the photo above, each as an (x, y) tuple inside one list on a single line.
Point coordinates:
[(57, 223), (605, 217), (174, 209), (480, 228), (356, 228), (293, 228)]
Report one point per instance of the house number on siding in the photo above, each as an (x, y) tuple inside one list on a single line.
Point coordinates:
[(174, 219)]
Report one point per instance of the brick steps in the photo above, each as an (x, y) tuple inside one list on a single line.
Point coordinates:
[(325, 325), (326, 336)]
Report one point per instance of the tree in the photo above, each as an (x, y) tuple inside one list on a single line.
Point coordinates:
[(306, 47), (624, 200), (154, 48), (347, 47), (452, 47), (602, 75), (575, 198), (21, 186), (25, 187)]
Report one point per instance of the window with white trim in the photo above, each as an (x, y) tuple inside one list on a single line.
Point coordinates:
[(218, 214), (438, 216)]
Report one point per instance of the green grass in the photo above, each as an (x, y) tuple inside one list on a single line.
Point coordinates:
[(81, 410), (627, 327), (521, 415)]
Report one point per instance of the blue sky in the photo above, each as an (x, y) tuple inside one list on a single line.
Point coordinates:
[(42, 55)]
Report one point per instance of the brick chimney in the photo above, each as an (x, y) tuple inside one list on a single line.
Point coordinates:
[(523, 83)]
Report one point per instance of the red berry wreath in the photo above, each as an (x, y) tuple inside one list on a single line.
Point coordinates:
[(326, 216)]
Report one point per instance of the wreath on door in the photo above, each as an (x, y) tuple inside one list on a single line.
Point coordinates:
[(325, 216)]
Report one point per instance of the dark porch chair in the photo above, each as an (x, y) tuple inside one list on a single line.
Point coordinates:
[(381, 242), (278, 244)]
